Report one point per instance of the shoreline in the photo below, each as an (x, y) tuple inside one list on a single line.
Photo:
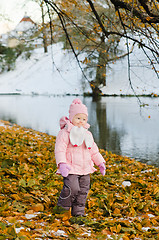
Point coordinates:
[(152, 95), (137, 160)]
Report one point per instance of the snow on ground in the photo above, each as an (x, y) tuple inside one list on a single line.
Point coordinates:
[(39, 75), (2, 124), (143, 78), (57, 72)]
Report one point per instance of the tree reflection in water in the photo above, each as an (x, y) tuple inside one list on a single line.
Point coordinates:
[(106, 137)]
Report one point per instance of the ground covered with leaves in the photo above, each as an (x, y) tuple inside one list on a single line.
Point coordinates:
[(121, 205)]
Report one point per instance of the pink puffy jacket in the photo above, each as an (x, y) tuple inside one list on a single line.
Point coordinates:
[(80, 159)]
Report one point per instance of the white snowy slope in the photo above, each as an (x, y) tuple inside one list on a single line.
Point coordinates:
[(57, 72), (143, 79)]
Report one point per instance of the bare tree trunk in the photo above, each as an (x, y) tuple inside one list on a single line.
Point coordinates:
[(44, 30), (101, 66)]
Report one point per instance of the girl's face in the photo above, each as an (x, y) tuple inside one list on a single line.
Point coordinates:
[(79, 120)]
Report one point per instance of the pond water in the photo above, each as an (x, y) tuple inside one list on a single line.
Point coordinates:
[(118, 124)]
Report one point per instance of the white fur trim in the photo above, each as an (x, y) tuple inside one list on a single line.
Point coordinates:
[(78, 135), (89, 140)]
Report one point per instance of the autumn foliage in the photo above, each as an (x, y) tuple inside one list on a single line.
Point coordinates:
[(122, 205)]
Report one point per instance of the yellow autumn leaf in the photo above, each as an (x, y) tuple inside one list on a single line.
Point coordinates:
[(116, 211), (11, 219), (30, 211), (38, 207), (132, 212), (113, 229), (16, 196), (118, 228), (154, 222), (156, 190), (11, 230), (138, 226), (126, 238)]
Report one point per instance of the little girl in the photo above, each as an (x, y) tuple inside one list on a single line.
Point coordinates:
[(76, 153)]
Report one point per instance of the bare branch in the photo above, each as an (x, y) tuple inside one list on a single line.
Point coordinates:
[(144, 17), (144, 4), (97, 17), (128, 55), (67, 35)]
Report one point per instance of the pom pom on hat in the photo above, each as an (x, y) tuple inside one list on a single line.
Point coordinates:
[(77, 107), (76, 101)]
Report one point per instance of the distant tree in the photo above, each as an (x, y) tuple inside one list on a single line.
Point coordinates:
[(7, 58), (43, 26), (9, 55)]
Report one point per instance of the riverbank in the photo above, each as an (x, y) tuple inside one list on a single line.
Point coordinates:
[(123, 203), (85, 94)]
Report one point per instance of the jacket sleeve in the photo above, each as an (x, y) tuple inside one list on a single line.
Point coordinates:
[(95, 155), (61, 144)]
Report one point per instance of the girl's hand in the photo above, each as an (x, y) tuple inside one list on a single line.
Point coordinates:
[(102, 168), (64, 169)]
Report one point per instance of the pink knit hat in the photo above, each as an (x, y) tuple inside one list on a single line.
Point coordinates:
[(77, 107)]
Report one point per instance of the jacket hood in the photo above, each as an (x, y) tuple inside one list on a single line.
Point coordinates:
[(65, 122)]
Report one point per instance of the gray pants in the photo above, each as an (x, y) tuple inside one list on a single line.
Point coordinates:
[(74, 193)]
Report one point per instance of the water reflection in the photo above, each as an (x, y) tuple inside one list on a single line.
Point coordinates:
[(106, 137), (124, 128), (118, 124)]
